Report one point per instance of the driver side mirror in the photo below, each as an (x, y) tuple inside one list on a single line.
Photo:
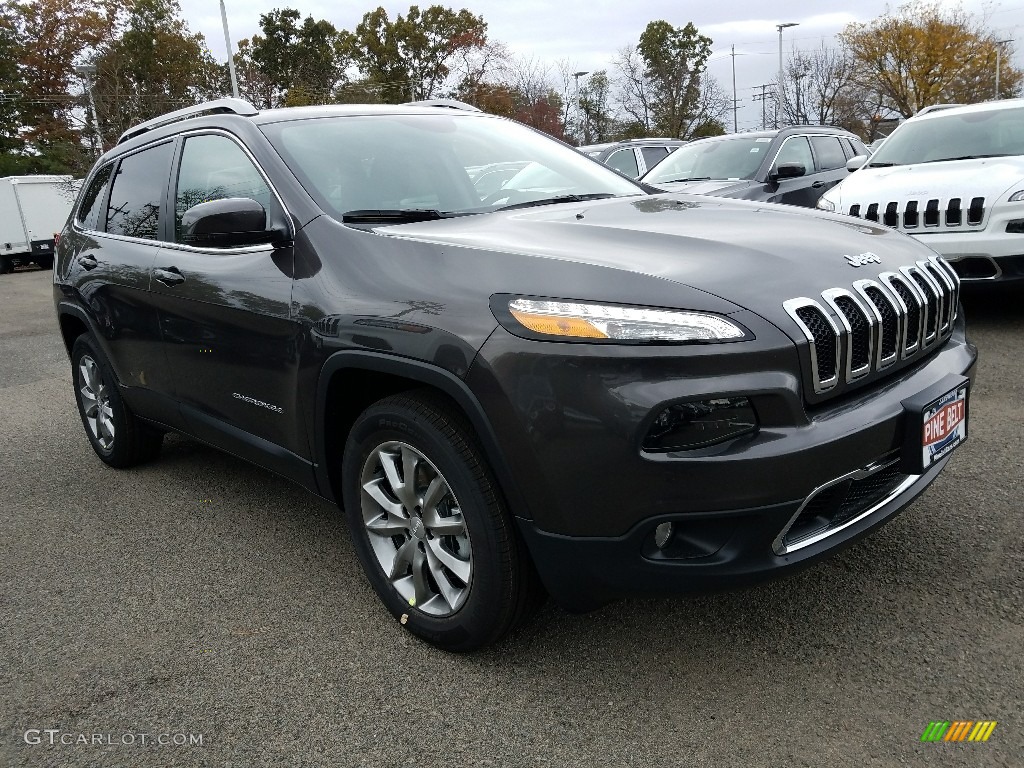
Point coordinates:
[(226, 223), (856, 162), (788, 171)]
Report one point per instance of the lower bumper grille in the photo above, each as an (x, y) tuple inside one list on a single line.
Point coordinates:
[(842, 502)]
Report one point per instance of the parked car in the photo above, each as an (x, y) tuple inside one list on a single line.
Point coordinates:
[(791, 165), (571, 385), (953, 178), (633, 157), (32, 209)]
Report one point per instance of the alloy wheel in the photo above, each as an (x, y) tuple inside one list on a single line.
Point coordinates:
[(99, 414), (416, 528)]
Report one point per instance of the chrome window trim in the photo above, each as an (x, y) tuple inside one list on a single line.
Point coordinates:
[(830, 297), (791, 306), (781, 548), (182, 246)]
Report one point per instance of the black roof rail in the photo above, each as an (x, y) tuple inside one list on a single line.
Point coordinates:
[(219, 106), (449, 103)]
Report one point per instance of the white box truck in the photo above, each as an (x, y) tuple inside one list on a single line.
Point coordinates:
[(32, 210)]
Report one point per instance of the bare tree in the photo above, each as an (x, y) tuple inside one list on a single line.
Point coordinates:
[(634, 92)]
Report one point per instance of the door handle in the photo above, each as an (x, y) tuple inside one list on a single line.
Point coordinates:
[(168, 276), (818, 184), (87, 262)]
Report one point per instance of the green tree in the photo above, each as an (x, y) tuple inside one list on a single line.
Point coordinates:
[(924, 54), (676, 96), (11, 87), (50, 36), (156, 65), (412, 57), (291, 64), (596, 120)]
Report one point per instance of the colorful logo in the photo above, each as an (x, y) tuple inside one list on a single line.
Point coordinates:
[(959, 730)]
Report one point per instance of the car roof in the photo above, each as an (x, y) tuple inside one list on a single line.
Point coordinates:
[(966, 109)]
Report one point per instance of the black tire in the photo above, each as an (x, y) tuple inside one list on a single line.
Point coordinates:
[(132, 442), (503, 588), (5, 265), (45, 262)]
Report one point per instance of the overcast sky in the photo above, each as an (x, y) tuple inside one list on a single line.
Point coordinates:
[(589, 32)]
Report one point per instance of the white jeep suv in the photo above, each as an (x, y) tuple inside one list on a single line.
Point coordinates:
[(954, 179)]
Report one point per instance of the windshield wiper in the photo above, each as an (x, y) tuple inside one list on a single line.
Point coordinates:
[(881, 165), (688, 178), (557, 199), (967, 157), (394, 215)]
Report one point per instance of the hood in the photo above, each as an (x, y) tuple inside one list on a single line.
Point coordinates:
[(991, 178), (711, 186), (754, 255)]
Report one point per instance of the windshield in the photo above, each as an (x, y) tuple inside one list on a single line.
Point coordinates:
[(445, 163), (992, 133), (732, 158)]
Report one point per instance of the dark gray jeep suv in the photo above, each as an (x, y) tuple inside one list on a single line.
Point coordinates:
[(574, 387)]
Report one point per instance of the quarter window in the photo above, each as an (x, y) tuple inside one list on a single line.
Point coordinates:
[(796, 150), (137, 193), (214, 168), (829, 152), (624, 161), (653, 155), (92, 201)]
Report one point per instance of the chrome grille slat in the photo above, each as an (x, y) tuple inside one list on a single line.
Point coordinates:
[(898, 315), (962, 213)]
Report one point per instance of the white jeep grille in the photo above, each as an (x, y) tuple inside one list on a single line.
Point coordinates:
[(955, 213)]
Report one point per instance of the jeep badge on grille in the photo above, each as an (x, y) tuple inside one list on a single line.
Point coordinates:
[(863, 258)]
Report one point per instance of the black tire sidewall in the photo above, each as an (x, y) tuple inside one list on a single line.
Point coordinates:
[(490, 592)]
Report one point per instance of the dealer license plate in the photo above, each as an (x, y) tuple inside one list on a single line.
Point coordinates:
[(943, 425)]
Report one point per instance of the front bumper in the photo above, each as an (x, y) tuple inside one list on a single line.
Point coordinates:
[(572, 422), (584, 573)]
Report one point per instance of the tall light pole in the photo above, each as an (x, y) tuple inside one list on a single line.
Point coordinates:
[(734, 128), (799, 115), (999, 51), (227, 44), (782, 89), (86, 72), (577, 76)]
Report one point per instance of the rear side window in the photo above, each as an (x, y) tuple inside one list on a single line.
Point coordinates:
[(859, 148), (92, 201), (624, 160), (214, 168), (653, 155), (829, 152), (138, 190)]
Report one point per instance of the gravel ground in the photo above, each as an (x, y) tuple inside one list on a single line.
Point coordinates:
[(201, 597)]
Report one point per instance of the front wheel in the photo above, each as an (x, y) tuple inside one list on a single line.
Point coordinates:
[(429, 525)]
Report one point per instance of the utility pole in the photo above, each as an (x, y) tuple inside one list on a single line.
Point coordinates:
[(762, 98), (734, 128), (781, 101), (999, 50), (227, 44), (799, 115)]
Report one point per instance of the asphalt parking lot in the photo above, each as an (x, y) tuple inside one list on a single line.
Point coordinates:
[(203, 597)]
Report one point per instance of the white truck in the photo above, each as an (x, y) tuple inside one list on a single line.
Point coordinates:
[(32, 210)]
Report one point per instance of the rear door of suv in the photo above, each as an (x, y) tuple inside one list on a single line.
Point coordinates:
[(114, 240)]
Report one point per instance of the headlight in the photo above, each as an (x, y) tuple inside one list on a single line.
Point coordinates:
[(596, 322), (826, 205), (1017, 196)]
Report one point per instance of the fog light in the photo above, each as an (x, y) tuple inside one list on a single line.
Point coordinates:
[(663, 535), (685, 426)]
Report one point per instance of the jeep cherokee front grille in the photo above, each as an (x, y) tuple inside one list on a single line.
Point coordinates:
[(924, 214), (852, 333)]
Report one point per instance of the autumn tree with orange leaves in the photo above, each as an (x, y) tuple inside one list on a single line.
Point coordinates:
[(924, 54)]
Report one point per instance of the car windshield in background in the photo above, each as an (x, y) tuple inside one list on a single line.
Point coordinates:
[(732, 158), (442, 164), (967, 135)]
